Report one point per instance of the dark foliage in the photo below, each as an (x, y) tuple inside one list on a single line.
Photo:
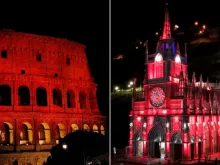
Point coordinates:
[(81, 146)]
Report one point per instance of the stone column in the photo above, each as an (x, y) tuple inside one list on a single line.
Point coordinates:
[(49, 96), (33, 95), (15, 86), (64, 97), (77, 99), (18, 139), (11, 137)]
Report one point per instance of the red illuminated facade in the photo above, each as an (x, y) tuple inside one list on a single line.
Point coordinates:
[(179, 118), (46, 92)]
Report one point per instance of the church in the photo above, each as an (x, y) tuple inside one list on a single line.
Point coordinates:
[(178, 118)]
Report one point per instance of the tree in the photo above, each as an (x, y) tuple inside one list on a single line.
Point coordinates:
[(78, 147)]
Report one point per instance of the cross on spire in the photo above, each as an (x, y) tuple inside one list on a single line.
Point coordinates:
[(166, 28)]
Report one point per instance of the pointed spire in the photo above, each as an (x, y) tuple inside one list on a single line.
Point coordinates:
[(166, 28), (194, 79), (177, 48), (208, 84)]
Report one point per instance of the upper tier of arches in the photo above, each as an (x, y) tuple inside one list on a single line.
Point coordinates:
[(40, 96)]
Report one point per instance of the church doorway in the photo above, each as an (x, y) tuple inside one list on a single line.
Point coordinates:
[(192, 147), (176, 146), (156, 142)]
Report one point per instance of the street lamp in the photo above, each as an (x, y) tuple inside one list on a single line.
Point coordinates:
[(64, 146), (131, 83), (116, 88), (176, 27), (196, 23)]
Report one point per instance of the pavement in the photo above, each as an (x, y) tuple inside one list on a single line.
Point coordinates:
[(144, 160)]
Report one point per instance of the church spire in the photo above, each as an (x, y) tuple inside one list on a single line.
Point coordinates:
[(166, 28)]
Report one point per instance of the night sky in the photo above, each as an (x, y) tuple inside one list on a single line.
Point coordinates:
[(135, 21), (85, 22)]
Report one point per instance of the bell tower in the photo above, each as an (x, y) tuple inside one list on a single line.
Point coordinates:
[(167, 62)]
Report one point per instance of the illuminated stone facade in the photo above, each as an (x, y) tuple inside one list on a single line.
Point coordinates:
[(46, 91), (177, 118)]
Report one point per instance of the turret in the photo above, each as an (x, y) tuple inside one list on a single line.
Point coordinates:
[(166, 28)]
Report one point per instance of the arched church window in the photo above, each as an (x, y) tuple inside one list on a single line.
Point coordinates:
[(158, 66)]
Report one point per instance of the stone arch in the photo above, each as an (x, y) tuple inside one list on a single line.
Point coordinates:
[(5, 95), (41, 96), (138, 143), (44, 134), (74, 127), (102, 129), (155, 137), (95, 128), (23, 95), (82, 100), (71, 103), (26, 134), (176, 146), (57, 97), (7, 134), (85, 127), (60, 132), (176, 138)]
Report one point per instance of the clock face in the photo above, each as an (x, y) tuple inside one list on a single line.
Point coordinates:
[(157, 96)]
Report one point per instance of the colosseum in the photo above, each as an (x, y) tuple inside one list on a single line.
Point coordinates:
[(46, 92)]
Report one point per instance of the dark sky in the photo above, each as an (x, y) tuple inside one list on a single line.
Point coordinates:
[(138, 20), (85, 22)]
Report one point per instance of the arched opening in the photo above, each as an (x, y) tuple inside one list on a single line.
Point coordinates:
[(85, 127), (5, 95), (23, 96), (192, 147), (57, 97), (41, 95), (26, 134), (60, 132), (95, 128), (214, 137), (206, 139), (138, 143), (199, 146), (176, 146), (74, 127), (156, 142), (92, 100), (82, 100), (44, 134), (158, 66), (6, 133), (71, 99), (102, 129)]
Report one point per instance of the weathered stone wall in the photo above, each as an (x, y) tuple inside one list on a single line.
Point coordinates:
[(25, 158)]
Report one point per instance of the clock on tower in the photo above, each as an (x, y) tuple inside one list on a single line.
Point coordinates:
[(157, 96)]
